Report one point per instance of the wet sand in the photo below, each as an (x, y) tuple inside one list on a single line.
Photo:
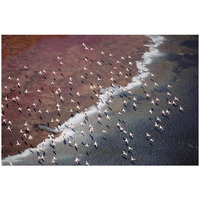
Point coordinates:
[(177, 64), (40, 54)]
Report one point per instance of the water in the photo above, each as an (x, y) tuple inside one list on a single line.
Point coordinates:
[(176, 145)]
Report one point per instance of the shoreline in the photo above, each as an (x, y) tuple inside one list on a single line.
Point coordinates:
[(38, 136), (147, 56)]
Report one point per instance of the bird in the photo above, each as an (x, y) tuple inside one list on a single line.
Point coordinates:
[(75, 145), (168, 93), (176, 99), (132, 158), (161, 128), (152, 75), (134, 99), (124, 153), (147, 95), (153, 102), (54, 159), (95, 144), (158, 119), (167, 111), (156, 125), (157, 99), (131, 135), (169, 86), (8, 128), (30, 137), (76, 160), (148, 135), (156, 84), (87, 145), (151, 140), (126, 141), (181, 109), (87, 163), (163, 112)]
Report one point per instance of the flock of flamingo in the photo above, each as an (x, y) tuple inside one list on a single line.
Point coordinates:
[(116, 70)]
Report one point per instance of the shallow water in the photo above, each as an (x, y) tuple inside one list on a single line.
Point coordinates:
[(176, 145)]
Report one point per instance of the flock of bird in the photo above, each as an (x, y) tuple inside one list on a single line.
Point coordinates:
[(117, 71)]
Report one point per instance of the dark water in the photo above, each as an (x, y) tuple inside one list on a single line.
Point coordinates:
[(176, 145)]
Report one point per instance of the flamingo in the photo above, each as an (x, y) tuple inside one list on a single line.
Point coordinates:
[(75, 145), (130, 148), (132, 159), (181, 109), (124, 153), (87, 163), (151, 111), (158, 119), (163, 112), (148, 135), (157, 99), (151, 140), (153, 102), (131, 135), (77, 160), (8, 128), (95, 144), (168, 93), (54, 159), (161, 128), (156, 125), (152, 75), (87, 145), (134, 99), (147, 95), (176, 99), (169, 86), (126, 141)]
